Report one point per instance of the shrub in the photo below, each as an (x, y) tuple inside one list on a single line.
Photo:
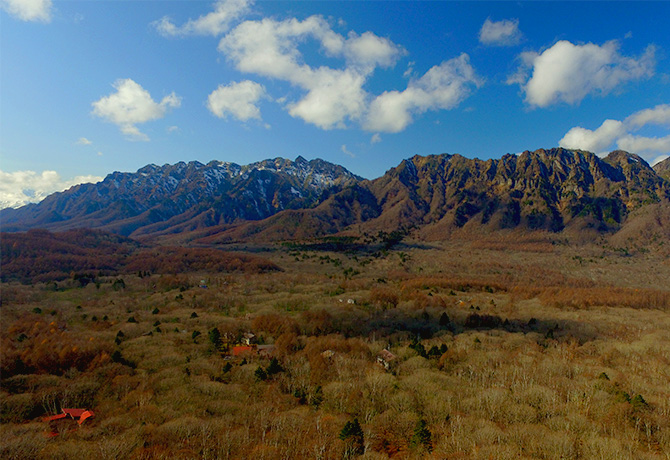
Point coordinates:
[(384, 297)]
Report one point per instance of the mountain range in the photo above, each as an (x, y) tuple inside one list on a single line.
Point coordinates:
[(555, 190)]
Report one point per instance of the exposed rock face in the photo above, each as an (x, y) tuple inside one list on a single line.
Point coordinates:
[(183, 196), (545, 189), (282, 199)]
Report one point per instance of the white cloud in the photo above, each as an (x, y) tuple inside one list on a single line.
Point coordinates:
[(376, 138), (620, 133), (214, 23), (131, 104), (659, 115), (442, 87), (370, 50), (500, 33), (659, 159), (23, 187), (568, 73), (346, 151), (593, 141), (333, 96), (28, 10), (83, 141), (527, 59), (644, 145), (237, 99), (270, 48)]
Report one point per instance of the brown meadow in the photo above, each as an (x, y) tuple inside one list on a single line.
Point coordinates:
[(548, 350)]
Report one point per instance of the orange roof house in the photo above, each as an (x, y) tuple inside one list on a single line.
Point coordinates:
[(79, 415), (242, 350)]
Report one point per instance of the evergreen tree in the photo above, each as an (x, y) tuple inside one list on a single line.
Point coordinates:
[(419, 348), (274, 367), (444, 320), (421, 436), (352, 435), (215, 338), (261, 374)]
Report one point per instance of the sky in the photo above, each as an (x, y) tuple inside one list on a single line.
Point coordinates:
[(92, 87)]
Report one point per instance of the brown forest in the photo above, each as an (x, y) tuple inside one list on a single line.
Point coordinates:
[(534, 348)]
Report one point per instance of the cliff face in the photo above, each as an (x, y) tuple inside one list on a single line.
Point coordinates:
[(282, 199), (544, 189)]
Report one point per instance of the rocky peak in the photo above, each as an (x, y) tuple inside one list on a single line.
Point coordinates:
[(662, 168)]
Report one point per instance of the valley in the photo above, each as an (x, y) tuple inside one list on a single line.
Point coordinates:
[(452, 308), (519, 345)]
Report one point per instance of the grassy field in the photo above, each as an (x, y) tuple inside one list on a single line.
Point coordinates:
[(530, 349)]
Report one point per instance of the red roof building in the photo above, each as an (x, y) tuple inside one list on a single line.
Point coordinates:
[(240, 350), (79, 415)]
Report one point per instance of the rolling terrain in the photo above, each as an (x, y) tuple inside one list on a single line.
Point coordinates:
[(452, 308)]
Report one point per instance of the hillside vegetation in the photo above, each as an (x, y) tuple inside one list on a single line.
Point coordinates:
[(384, 346), (86, 255)]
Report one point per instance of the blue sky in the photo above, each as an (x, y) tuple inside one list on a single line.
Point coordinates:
[(91, 87)]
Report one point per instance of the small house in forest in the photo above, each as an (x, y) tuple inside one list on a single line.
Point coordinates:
[(386, 358), (78, 415), (67, 420), (248, 338), (242, 350)]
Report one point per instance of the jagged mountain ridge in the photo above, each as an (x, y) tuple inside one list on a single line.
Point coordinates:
[(279, 199), (185, 195), (542, 189), (441, 194)]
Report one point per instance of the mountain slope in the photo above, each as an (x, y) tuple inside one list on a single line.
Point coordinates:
[(545, 189), (184, 196), (439, 195), (662, 168)]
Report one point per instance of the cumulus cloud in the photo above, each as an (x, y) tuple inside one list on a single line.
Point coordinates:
[(214, 23), (620, 133), (370, 50), (28, 10), (332, 97), (237, 99), (500, 33), (568, 73), (659, 115), (83, 141), (643, 144), (130, 105), (335, 96), (593, 141), (22, 187), (270, 48), (442, 87), (376, 138)]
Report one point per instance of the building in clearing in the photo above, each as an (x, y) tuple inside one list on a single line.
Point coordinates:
[(386, 358)]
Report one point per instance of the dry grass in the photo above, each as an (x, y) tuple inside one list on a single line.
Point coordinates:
[(541, 361)]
